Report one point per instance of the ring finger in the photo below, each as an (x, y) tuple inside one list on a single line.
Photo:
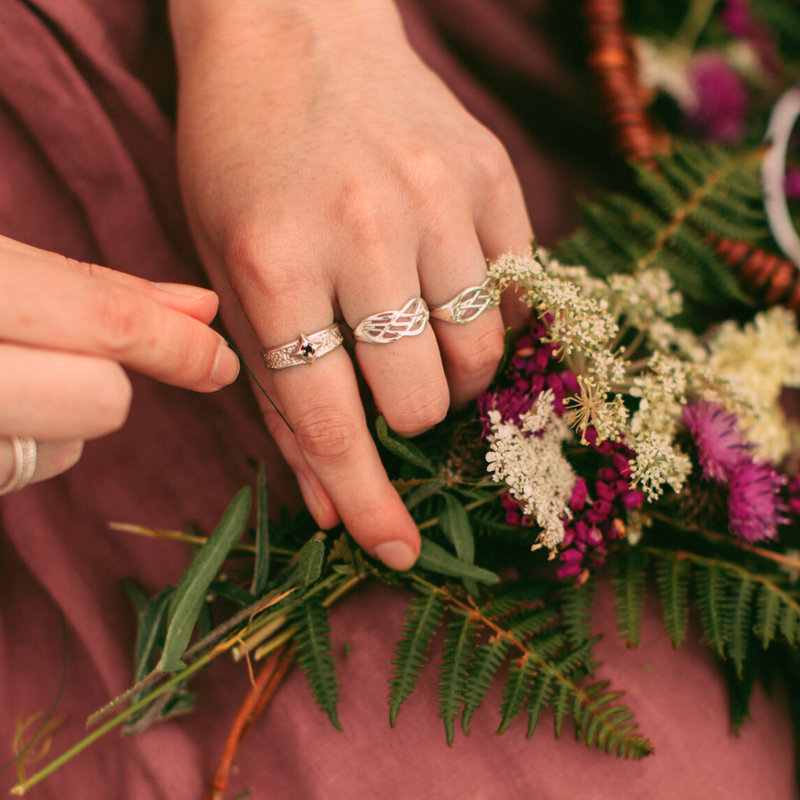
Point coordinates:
[(52, 458)]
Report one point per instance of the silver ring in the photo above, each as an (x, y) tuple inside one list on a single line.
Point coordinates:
[(24, 449), (469, 304), (389, 326), (305, 350)]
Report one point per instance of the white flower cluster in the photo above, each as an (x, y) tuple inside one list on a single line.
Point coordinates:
[(759, 360), (531, 462)]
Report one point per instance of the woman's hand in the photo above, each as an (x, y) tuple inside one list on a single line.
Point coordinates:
[(66, 329), (329, 175)]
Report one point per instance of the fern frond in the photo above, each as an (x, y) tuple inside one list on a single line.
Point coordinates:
[(459, 646), (313, 646), (711, 586), (576, 609), (561, 708), (484, 666), (741, 620), (790, 624), (518, 685), (423, 617), (529, 622), (538, 700), (768, 609), (627, 577), (672, 576)]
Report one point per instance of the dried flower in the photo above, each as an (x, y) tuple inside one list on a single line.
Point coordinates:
[(755, 508), (720, 446)]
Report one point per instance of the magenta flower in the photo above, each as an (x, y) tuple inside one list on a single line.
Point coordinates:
[(755, 508), (715, 432), (739, 21), (719, 113), (511, 403)]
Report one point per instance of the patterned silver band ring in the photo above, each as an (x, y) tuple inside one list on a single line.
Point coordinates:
[(469, 304), (389, 326), (305, 350), (24, 450)]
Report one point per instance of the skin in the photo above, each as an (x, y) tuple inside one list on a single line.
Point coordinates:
[(67, 329), (328, 175)]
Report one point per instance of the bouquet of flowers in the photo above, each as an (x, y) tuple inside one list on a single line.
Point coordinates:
[(644, 424)]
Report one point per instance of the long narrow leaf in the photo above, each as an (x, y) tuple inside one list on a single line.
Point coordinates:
[(436, 559), (187, 602), (402, 447), (261, 568)]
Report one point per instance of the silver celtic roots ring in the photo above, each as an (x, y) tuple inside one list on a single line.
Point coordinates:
[(469, 304), (24, 449), (389, 326), (305, 350)]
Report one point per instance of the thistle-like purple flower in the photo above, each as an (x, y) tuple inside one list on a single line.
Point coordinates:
[(719, 113), (715, 432), (755, 508)]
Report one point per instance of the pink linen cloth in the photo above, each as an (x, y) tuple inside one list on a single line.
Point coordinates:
[(88, 170)]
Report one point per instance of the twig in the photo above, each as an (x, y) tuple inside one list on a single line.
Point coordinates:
[(254, 702)]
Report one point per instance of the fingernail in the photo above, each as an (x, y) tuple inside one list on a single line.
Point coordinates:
[(184, 290), (226, 365), (396, 555)]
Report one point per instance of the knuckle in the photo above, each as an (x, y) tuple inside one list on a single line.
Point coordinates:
[(361, 212), (260, 257), (430, 170), (491, 162), (484, 355), (326, 434), (422, 407), (119, 321)]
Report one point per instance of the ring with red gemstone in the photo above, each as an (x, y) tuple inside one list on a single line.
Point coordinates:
[(305, 350)]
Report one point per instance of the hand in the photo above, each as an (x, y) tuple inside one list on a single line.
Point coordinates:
[(328, 175), (65, 330)]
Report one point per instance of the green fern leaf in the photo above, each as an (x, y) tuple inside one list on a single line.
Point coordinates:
[(733, 226), (561, 708), (530, 622), (688, 278), (546, 645), (672, 576), (459, 647), (790, 624), (484, 666), (518, 685), (627, 577), (538, 701), (741, 612), (313, 646), (658, 190), (606, 224), (711, 587), (768, 609), (423, 616), (576, 610)]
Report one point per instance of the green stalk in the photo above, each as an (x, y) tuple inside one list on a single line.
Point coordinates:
[(21, 788)]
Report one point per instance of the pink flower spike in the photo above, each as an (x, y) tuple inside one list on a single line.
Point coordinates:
[(755, 508), (720, 446), (578, 499)]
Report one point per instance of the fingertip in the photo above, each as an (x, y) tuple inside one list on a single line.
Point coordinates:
[(226, 366), (397, 555)]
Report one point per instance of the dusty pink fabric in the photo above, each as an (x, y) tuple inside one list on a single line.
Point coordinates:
[(86, 169)]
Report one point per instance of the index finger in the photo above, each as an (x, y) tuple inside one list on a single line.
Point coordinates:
[(44, 305)]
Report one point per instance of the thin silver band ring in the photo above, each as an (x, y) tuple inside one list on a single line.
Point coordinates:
[(24, 451)]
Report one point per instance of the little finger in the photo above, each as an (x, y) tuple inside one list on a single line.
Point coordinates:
[(52, 458)]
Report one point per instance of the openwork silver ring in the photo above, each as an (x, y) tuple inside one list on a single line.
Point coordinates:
[(305, 350), (469, 304), (24, 450), (389, 326)]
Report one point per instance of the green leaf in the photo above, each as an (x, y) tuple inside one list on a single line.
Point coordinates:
[(488, 658), (790, 624), (711, 588), (560, 708), (312, 557), (314, 653), (538, 700), (768, 610), (187, 601), (261, 568), (434, 558), (576, 607), (149, 633), (456, 656), (672, 576), (230, 591), (454, 521), (136, 594), (423, 616), (627, 576), (741, 620), (518, 685), (402, 447)]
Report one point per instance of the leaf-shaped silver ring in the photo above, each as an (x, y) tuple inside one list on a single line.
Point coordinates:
[(469, 304), (389, 326)]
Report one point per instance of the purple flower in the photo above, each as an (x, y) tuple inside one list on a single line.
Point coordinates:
[(792, 182), (511, 403), (721, 106), (738, 19), (755, 508), (715, 432)]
